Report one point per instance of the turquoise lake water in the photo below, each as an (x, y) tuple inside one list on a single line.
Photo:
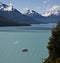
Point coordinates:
[(12, 43)]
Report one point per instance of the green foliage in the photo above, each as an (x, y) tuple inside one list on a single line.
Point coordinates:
[(54, 46)]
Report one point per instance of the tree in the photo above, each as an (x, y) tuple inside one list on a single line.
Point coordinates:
[(54, 46)]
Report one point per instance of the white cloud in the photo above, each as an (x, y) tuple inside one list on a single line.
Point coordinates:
[(45, 2), (55, 7)]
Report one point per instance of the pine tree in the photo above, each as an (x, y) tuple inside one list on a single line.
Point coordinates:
[(54, 46)]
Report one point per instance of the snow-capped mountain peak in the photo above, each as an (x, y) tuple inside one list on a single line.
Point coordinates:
[(4, 7), (56, 13), (10, 7), (46, 14), (30, 12)]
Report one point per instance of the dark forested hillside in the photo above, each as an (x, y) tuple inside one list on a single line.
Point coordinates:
[(7, 22), (54, 46)]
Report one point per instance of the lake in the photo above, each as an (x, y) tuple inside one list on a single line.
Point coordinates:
[(35, 38)]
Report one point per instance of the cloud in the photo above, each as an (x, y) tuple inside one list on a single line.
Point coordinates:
[(46, 1), (55, 7)]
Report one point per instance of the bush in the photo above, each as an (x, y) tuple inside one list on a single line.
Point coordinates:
[(54, 46)]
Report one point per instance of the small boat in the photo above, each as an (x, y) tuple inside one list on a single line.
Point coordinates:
[(24, 50)]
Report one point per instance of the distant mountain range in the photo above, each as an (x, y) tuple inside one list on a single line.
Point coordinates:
[(53, 16), (56, 13), (47, 17), (33, 14), (11, 15)]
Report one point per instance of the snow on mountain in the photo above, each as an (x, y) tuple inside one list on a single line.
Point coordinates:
[(4, 7), (35, 15), (56, 13), (30, 17), (52, 16), (47, 17), (9, 12), (30, 13), (46, 14)]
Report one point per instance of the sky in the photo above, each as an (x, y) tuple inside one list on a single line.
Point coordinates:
[(38, 5)]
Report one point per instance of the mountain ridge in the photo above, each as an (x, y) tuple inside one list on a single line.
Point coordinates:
[(49, 13), (30, 17), (47, 17), (15, 15)]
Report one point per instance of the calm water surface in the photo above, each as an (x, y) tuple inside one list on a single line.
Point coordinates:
[(12, 43)]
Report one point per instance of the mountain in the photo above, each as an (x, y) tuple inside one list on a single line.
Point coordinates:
[(7, 11), (7, 22), (46, 17), (30, 17), (33, 14), (55, 13), (4, 7), (52, 16)]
